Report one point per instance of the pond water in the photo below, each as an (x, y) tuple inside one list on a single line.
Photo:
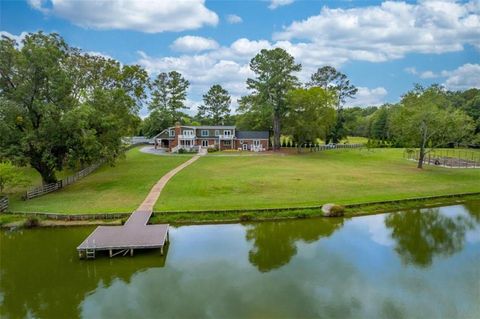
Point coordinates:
[(420, 264)]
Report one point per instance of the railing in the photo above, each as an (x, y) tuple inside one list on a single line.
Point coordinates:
[(3, 203), (226, 137), (186, 137)]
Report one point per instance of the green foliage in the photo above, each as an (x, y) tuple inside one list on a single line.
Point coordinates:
[(61, 107), (216, 106), (427, 120), (10, 176), (337, 210), (245, 217), (329, 78), (310, 115), (274, 78), (169, 92), (31, 222)]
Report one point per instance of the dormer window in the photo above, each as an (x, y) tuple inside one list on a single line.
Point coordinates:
[(171, 133), (204, 132)]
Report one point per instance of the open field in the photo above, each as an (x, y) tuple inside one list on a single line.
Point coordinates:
[(109, 189), (340, 176)]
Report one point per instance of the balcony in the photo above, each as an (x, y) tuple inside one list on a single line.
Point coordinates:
[(226, 137), (186, 137)]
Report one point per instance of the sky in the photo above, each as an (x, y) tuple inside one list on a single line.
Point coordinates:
[(384, 47)]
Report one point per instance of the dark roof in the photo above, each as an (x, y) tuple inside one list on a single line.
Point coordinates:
[(252, 134)]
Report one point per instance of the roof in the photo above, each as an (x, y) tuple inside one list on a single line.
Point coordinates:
[(253, 134), (214, 127)]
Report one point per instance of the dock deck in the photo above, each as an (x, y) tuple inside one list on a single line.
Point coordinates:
[(135, 234)]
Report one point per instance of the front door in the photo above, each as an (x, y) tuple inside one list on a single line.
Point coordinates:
[(204, 143), (245, 147)]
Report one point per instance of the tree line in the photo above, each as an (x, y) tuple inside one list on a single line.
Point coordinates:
[(61, 107)]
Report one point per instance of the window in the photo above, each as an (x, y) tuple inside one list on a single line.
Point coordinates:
[(245, 147), (217, 132), (227, 143), (256, 142), (171, 133), (204, 132), (188, 132), (241, 141), (204, 143), (227, 132)]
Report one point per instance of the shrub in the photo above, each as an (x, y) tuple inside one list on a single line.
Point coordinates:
[(212, 150), (337, 210), (301, 215), (31, 222), (246, 217)]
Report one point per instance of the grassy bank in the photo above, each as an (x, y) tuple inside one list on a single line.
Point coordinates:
[(339, 176), (9, 220), (109, 189)]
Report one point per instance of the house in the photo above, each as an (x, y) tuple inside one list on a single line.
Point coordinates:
[(219, 137)]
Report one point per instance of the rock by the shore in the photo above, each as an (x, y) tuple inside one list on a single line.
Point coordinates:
[(332, 210)]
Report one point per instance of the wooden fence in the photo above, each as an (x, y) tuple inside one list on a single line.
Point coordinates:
[(48, 188), (3, 203)]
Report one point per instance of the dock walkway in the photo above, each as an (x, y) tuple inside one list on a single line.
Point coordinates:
[(135, 233)]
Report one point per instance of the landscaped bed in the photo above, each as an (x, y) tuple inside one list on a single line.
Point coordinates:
[(339, 176), (120, 188)]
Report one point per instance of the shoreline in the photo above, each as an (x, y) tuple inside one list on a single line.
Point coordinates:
[(14, 220)]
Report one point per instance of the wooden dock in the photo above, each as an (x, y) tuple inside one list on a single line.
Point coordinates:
[(117, 240), (135, 233)]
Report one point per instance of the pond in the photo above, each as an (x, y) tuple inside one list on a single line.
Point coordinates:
[(416, 264)]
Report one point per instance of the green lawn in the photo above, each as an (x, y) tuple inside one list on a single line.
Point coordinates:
[(340, 176), (109, 189)]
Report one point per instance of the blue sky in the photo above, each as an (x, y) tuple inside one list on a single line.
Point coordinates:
[(384, 47)]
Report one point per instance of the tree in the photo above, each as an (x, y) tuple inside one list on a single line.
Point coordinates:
[(169, 92), (253, 114), (10, 176), (59, 106), (425, 119), (329, 78), (216, 105), (311, 113), (274, 78)]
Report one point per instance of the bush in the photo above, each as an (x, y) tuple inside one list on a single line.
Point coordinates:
[(31, 222), (337, 210), (246, 217), (212, 150), (301, 215)]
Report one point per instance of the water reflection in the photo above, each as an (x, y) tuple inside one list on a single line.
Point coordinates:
[(274, 243), (42, 277), (324, 268), (422, 234)]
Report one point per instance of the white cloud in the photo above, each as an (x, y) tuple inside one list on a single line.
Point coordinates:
[(18, 38), (234, 19), (464, 77), (390, 30), (140, 15), (368, 97), (193, 43), (279, 3), (422, 75)]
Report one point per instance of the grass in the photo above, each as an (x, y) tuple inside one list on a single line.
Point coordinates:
[(109, 189), (339, 176)]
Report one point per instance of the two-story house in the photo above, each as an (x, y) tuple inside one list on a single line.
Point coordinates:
[(220, 137)]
